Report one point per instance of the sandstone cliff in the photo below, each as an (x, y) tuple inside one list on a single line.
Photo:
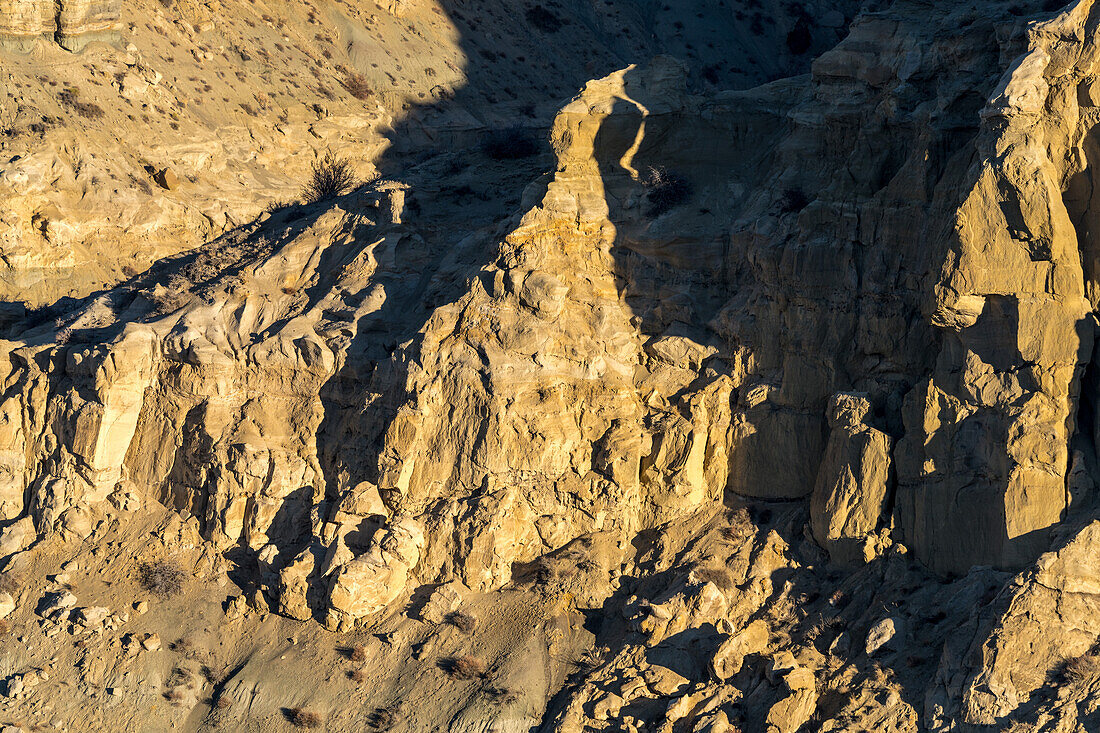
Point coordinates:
[(71, 23), (771, 407)]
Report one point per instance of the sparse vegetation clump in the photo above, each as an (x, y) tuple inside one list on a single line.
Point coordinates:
[(794, 200), (665, 190), (357, 86), (799, 39), (466, 667), (462, 621), (719, 576), (509, 143), (161, 578), (543, 19), (1081, 669), (740, 525), (70, 98), (501, 696), (384, 718), (358, 653), (304, 718), (331, 176)]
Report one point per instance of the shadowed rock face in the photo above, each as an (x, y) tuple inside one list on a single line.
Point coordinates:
[(71, 23)]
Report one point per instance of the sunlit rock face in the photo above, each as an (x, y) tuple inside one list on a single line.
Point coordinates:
[(71, 23), (703, 398)]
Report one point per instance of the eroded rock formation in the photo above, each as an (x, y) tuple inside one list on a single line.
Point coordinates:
[(771, 407), (71, 23)]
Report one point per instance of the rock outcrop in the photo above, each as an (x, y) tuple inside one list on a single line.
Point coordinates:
[(773, 407), (71, 23), (849, 499)]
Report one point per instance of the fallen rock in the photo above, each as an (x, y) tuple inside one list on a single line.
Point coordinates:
[(727, 661), (881, 635)]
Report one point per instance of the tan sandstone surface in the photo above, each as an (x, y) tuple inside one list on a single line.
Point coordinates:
[(757, 394)]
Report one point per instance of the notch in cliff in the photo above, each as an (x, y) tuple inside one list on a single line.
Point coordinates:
[(72, 24)]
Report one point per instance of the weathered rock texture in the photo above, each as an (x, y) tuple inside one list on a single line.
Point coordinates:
[(849, 499), (757, 396), (71, 23)]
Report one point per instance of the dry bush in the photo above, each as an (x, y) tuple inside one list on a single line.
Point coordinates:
[(462, 621), (384, 718), (719, 576), (176, 695), (161, 578), (665, 190), (303, 718), (821, 625), (1081, 669), (793, 200), (175, 294), (224, 702), (279, 204), (71, 98), (501, 696), (331, 176), (358, 676), (358, 653), (543, 19), (466, 667), (358, 87), (11, 582)]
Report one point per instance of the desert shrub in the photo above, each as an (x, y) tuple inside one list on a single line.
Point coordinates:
[(543, 19), (384, 718), (331, 176), (462, 621), (799, 39), (303, 718), (1081, 669), (820, 625), (509, 143), (793, 200), (466, 667), (175, 294), (224, 702), (279, 205), (357, 86), (71, 98), (358, 676), (665, 190), (161, 578), (501, 696), (358, 653), (719, 576), (740, 525)]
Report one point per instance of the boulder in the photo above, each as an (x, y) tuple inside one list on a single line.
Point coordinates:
[(731, 654), (372, 581)]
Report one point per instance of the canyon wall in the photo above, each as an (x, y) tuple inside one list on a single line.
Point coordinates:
[(71, 23)]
